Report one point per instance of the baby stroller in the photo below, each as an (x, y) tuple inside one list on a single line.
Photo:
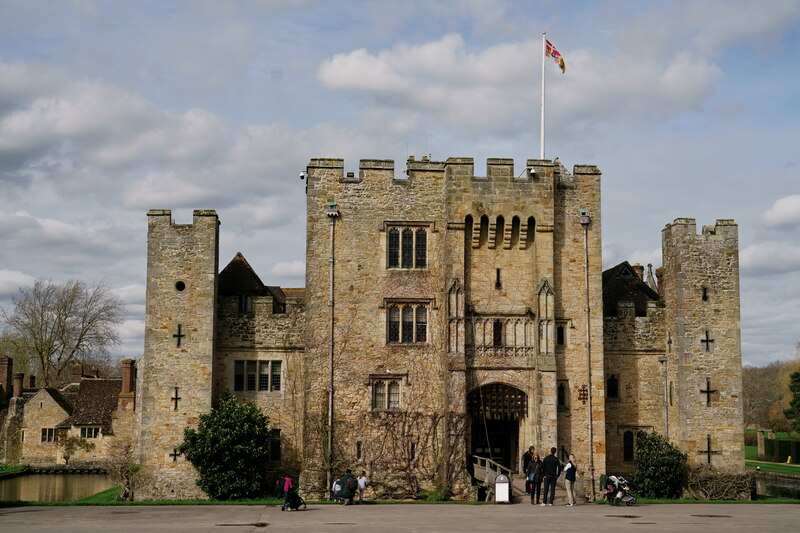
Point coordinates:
[(618, 491), (294, 502)]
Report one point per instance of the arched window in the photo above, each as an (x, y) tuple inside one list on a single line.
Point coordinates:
[(497, 333), (394, 395), (378, 395), (422, 324), (394, 324), (612, 387), (627, 446), (408, 324)]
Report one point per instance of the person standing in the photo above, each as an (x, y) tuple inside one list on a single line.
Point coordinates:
[(535, 476), (569, 480), (551, 467), (362, 485), (527, 457)]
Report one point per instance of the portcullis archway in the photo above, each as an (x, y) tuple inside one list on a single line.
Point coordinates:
[(495, 411)]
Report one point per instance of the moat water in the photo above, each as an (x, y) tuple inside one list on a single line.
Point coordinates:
[(53, 487)]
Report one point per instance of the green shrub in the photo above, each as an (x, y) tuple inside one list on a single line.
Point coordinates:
[(230, 449), (660, 467)]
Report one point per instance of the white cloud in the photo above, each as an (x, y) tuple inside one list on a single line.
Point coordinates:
[(495, 89), (770, 258), (12, 280), (784, 212), (289, 269)]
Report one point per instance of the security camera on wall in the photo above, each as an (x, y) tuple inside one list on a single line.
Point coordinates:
[(303, 175)]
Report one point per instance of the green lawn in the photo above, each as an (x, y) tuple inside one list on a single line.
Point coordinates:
[(10, 469), (750, 453), (779, 468)]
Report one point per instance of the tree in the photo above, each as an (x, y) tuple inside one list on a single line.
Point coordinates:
[(793, 412), (230, 449), (660, 467), (123, 470), (70, 444), (59, 324)]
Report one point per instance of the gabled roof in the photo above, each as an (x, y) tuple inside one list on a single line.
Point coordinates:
[(620, 283), (57, 397), (240, 278), (95, 402)]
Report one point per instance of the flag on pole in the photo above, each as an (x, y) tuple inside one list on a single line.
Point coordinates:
[(550, 51)]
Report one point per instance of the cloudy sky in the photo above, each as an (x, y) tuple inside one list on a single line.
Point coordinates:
[(108, 109)]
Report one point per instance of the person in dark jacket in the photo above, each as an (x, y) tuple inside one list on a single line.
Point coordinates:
[(526, 461), (535, 476), (551, 467), (348, 485)]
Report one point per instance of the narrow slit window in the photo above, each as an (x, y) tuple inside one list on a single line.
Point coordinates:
[(394, 248), (421, 249), (276, 375), (422, 324), (408, 324), (408, 249)]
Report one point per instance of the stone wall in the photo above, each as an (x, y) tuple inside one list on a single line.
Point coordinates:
[(41, 411), (182, 266), (633, 346), (266, 336), (701, 292), (530, 231)]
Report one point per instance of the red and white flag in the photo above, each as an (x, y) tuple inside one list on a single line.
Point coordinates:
[(550, 51)]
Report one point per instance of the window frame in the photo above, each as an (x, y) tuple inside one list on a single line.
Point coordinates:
[(405, 324), (385, 387), (256, 380), (90, 432), (48, 435), (407, 245)]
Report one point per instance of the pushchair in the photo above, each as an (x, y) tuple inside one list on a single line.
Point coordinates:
[(294, 502), (618, 491)]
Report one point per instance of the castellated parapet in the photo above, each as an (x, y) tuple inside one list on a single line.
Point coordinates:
[(177, 366), (502, 293)]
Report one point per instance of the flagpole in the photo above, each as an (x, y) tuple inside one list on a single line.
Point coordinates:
[(541, 132)]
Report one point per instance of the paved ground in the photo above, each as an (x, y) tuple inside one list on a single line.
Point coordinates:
[(402, 518)]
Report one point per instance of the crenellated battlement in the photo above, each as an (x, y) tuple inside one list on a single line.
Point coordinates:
[(723, 228), (454, 168), (164, 217)]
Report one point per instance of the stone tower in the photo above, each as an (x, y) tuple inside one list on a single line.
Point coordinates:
[(177, 365), (704, 358), (455, 318)]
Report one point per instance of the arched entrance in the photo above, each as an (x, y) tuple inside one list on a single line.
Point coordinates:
[(495, 411)]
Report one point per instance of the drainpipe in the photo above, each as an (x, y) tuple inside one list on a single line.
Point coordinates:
[(585, 221), (332, 213)]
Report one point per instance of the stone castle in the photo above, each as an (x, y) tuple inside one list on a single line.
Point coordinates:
[(447, 319)]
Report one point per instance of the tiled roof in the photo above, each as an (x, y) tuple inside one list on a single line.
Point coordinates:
[(620, 283), (95, 402), (240, 278), (295, 293), (60, 399)]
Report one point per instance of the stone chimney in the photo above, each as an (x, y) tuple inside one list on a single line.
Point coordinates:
[(6, 373), (639, 269), (31, 381), (128, 376), (76, 373), (18, 377), (660, 278)]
